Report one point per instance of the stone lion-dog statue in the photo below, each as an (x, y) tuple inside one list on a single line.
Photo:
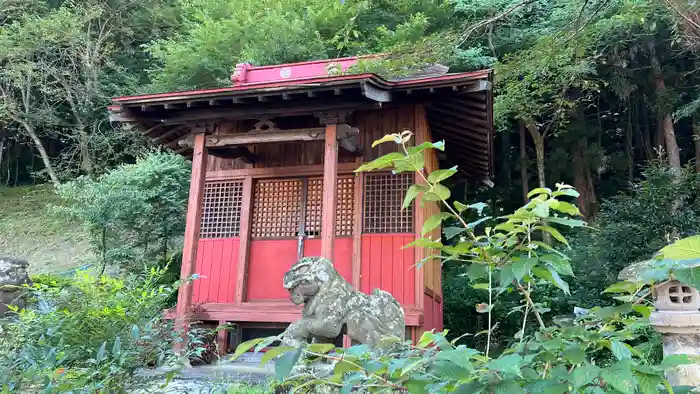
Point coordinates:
[(332, 307)]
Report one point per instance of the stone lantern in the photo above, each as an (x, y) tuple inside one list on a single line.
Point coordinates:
[(677, 318)]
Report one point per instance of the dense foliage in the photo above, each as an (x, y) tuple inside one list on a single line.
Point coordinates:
[(135, 212), (86, 335)]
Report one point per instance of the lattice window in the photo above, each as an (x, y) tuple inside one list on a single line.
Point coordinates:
[(384, 194), (343, 211), (221, 211), (276, 208)]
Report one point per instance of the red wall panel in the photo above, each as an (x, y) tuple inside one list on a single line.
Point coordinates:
[(433, 317), (217, 259), (385, 265), (270, 259)]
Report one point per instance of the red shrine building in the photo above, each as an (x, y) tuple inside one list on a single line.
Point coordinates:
[(273, 159)]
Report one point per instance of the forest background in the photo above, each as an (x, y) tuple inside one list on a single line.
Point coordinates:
[(601, 94)]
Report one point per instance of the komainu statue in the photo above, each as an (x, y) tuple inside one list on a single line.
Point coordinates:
[(333, 307)]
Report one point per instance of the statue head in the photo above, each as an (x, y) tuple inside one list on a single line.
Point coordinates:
[(305, 278), (13, 271)]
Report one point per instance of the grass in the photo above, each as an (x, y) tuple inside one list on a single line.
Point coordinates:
[(29, 229)]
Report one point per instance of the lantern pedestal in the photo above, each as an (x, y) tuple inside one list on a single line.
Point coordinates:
[(680, 335)]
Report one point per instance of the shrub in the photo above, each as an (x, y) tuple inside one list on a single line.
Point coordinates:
[(88, 336), (136, 212)]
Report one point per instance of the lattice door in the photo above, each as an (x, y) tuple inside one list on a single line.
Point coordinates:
[(221, 213), (384, 194), (343, 211), (276, 208)]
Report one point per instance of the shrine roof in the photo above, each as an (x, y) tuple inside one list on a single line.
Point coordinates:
[(459, 105)]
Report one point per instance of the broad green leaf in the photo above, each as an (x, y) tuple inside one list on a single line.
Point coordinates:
[(550, 275), (117, 347), (584, 374), (541, 210), (321, 348), (423, 243), (451, 232), (416, 386), (135, 332), (555, 233), (620, 376), (574, 354), (387, 138), (101, 352), (440, 145), (477, 271), (460, 207), (481, 286), (559, 263), (675, 360), (508, 364), (683, 249), (643, 310), (440, 175), (434, 222), (567, 221), (566, 192), (648, 383), (437, 193), (509, 387), (622, 287), (539, 190), (620, 350), (522, 266), (273, 352), (285, 364), (246, 346), (688, 276), (381, 162), (412, 193), (410, 163), (565, 207), (475, 223), (478, 207)]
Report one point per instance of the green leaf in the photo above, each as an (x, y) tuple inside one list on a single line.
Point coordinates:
[(509, 387), (475, 223), (434, 222), (683, 249), (648, 383), (620, 350), (380, 162), (412, 193), (285, 364), (416, 386), (555, 233), (245, 347), (574, 354), (643, 310), (620, 377), (538, 191), (541, 210), (423, 243), (437, 193), (451, 232), (481, 286), (477, 271), (584, 374), (440, 145), (440, 175), (522, 267), (410, 163), (460, 207), (117, 347), (567, 208), (566, 192), (507, 364), (478, 207), (688, 276), (551, 276), (560, 264), (621, 287), (101, 352), (387, 138), (567, 221), (675, 360), (321, 348), (135, 332), (273, 352)]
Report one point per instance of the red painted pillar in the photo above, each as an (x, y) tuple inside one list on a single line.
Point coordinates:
[(330, 181), (192, 226)]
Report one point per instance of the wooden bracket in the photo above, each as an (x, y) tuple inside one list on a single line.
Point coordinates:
[(333, 117)]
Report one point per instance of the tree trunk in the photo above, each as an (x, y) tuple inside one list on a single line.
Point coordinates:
[(523, 161), (42, 151), (583, 179), (85, 159), (539, 153), (666, 123), (504, 173), (629, 146), (2, 150), (696, 143)]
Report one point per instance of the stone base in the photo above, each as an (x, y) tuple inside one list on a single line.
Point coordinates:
[(680, 335)]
